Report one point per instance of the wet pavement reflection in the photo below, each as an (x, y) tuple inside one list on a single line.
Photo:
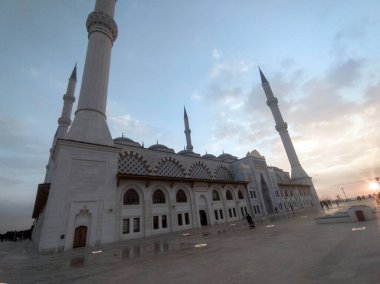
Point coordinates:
[(77, 262)]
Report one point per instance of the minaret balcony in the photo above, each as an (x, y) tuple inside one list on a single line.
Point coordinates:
[(272, 101)]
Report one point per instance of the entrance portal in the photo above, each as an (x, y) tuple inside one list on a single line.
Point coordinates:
[(203, 217), (360, 215), (266, 196), (80, 237)]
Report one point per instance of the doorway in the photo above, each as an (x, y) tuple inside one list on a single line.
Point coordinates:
[(360, 215), (203, 217), (80, 237)]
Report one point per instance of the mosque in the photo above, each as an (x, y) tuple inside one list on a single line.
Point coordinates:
[(100, 190)]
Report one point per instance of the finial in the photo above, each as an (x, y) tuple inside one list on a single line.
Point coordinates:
[(74, 73), (157, 141), (263, 79), (206, 152), (184, 112), (142, 144), (122, 134), (223, 151)]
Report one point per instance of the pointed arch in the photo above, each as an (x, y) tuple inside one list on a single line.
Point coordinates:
[(200, 170), (170, 167), (229, 195), (158, 197), (215, 195), (222, 173), (133, 163), (181, 196), (131, 197)]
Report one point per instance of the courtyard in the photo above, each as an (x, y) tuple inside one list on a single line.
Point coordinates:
[(281, 249)]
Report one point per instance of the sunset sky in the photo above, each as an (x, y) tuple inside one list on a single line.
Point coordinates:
[(321, 58)]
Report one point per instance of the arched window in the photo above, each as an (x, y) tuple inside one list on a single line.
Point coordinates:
[(158, 197), (131, 197), (229, 195), (240, 195), (215, 196), (181, 196)]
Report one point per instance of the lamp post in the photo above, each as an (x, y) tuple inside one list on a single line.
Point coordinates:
[(344, 194)]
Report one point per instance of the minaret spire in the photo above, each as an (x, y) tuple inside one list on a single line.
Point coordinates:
[(296, 169), (187, 131), (68, 99), (90, 124)]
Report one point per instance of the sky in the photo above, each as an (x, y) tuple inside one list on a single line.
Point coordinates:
[(320, 57)]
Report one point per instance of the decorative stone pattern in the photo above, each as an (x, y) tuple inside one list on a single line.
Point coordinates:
[(169, 167), (101, 22), (199, 170), (133, 163), (222, 173)]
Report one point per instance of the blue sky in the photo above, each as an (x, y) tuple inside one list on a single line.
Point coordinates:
[(321, 58)]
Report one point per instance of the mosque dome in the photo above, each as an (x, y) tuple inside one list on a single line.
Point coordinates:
[(125, 142), (255, 154), (188, 153), (160, 147), (226, 156), (209, 156)]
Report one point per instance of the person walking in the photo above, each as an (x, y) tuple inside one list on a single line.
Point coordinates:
[(250, 221)]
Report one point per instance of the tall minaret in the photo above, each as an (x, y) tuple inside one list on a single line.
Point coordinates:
[(63, 122), (90, 124), (297, 171), (187, 131), (68, 99)]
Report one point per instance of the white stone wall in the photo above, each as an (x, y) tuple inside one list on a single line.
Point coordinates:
[(82, 192)]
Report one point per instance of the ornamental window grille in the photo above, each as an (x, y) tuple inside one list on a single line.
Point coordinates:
[(170, 168), (215, 196), (158, 197), (181, 196), (133, 163), (136, 225), (229, 195), (222, 173), (199, 170), (125, 228), (131, 197)]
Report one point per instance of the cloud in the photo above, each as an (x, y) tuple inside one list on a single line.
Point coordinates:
[(332, 118), (31, 71), (196, 96), (216, 53), (127, 124), (348, 40), (230, 70), (346, 73)]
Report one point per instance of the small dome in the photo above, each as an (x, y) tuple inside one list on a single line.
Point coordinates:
[(126, 142), (226, 156), (160, 147), (209, 156), (188, 153)]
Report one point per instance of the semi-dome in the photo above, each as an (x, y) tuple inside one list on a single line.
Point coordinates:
[(255, 154), (126, 141), (160, 147)]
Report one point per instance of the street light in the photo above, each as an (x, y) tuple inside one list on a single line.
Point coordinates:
[(344, 194)]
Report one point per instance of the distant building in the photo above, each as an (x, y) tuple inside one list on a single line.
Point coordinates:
[(100, 190)]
